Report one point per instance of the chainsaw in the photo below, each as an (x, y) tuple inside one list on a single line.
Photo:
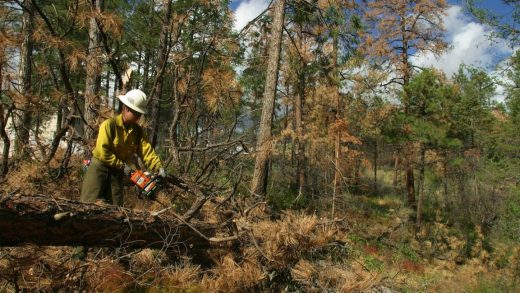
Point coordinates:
[(146, 182)]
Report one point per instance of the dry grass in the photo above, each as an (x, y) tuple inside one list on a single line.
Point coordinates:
[(318, 276), (230, 276), (26, 178), (143, 260), (304, 272), (179, 278), (108, 276), (284, 241), (34, 178)]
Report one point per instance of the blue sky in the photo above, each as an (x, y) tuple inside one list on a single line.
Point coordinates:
[(496, 6), (468, 40)]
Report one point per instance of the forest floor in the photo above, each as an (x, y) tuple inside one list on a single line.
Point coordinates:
[(369, 246)]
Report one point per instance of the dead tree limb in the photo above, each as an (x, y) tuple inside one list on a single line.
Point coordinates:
[(187, 185)]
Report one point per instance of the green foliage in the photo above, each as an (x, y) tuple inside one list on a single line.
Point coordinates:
[(338, 253), (373, 263), (429, 96), (393, 130), (287, 198), (500, 285), (470, 111), (513, 89), (509, 222), (502, 261), (377, 206), (471, 240), (408, 253)]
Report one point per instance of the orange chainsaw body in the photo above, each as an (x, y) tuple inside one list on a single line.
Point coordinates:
[(144, 182)]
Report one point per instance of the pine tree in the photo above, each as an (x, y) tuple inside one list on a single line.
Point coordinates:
[(429, 96), (264, 144), (404, 28)]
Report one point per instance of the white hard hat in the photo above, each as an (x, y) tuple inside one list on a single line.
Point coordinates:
[(135, 100)]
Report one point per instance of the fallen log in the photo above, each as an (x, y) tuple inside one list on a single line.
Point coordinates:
[(43, 220)]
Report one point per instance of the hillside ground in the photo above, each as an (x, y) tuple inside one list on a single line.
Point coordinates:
[(371, 245)]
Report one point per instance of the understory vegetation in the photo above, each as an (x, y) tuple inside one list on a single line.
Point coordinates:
[(371, 245)]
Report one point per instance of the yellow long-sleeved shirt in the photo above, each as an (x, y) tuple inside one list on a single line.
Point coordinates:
[(116, 143)]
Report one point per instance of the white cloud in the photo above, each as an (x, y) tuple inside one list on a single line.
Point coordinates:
[(469, 43), (247, 11)]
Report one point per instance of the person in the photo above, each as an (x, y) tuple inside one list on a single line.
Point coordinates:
[(119, 139)]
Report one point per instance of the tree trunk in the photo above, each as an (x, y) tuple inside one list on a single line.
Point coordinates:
[(408, 148), (447, 205), (43, 220), (5, 139), (357, 173), (174, 123), (22, 147), (93, 78), (146, 68), (395, 181), (410, 184), (107, 87), (285, 126), (337, 135), (421, 189), (263, 143), (155, 97), (376, 157), (298, 110), (409, 171), (3, 124), (115, 100)]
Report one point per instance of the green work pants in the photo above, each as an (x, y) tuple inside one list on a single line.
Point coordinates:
[(102, 182)]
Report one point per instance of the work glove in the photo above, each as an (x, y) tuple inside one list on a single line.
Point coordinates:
[(127, 170), (161, 173)]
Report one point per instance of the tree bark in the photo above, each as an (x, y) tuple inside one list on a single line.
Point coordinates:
[(3, 124), (93, 78), (396, 172), (298, 115), (421, 189), (157, 89), (263, 143), (173, 127), (43, 220), (5, 139), (447, 205), (376, 158), (410, 181), (22, 147), (337, 135), (410, 184)]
